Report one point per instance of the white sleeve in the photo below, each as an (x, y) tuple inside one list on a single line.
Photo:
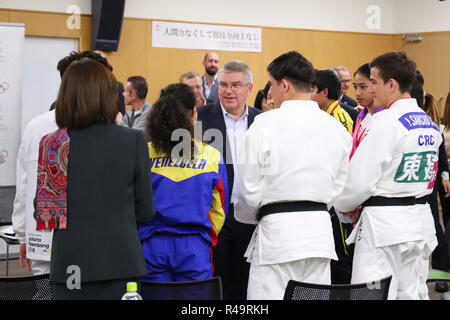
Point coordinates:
[(366, 166), (249, 184), (19, 207), (342, 174)]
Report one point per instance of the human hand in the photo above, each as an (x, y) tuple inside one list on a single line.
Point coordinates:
[(353, 215), (359, 108), (24, 261), (446, 185), (119, 117)]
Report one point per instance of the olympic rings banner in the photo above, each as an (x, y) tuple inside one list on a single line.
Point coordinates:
[(12, 37)]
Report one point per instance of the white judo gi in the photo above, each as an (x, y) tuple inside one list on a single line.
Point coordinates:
[(38, 243), (294, 153), (396, 159)]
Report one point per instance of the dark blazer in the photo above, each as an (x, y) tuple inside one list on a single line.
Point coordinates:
[(347, 100), (105, 203), (120, 90), (443, 161), (211, 117), (352, 112)]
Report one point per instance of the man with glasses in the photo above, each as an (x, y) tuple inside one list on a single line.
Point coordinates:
[(225, 122), (344, 74)]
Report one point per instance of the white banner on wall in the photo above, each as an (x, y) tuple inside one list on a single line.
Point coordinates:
[(204, 36), (11, 49)]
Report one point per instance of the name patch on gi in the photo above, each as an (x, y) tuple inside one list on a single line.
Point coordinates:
[(416, 167), (417, 120)]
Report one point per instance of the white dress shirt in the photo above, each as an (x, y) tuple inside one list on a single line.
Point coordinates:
[(235, 132)]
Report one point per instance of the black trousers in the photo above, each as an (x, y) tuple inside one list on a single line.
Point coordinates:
[(228, 257), (440, 255), (341, 271)]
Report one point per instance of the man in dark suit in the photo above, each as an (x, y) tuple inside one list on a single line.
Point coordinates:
[(224, 124), (344, 74), (352, 112)]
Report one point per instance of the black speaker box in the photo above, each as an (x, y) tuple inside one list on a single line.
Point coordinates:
[(106, 24)]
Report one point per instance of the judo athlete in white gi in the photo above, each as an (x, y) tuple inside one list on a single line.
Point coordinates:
[(292, 163), (35, 246), (393, 165)]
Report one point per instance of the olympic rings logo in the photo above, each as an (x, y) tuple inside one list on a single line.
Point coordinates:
[(4, 86)]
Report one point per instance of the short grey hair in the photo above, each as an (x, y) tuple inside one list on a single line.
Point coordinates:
[(237, 66), (340, 68), (189, 75)]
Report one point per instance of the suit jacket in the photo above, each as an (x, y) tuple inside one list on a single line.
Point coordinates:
[(352, 112), (211, 117), (347, 100), (443, 161), (106, 201), (121, 89)]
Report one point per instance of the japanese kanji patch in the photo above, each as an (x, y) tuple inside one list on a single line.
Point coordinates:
[(416, 167)]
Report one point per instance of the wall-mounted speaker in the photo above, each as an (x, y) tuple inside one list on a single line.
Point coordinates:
[(106, 24)]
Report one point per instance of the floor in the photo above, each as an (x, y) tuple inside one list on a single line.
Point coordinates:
[(15, 270)]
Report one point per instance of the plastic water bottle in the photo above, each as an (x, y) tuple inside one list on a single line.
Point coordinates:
[(131, 293)]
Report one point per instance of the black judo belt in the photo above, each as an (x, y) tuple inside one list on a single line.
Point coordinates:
[(379, 201), (292, 206)]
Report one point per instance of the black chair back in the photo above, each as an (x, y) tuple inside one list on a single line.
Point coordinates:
[(26, 288), (377, 290)]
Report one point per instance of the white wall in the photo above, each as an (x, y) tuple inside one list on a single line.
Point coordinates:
[(41, 80), (422, 16), (397, 16), (342, 15), (47, 5)]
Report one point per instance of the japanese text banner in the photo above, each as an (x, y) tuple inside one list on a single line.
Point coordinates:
[(203, 36)]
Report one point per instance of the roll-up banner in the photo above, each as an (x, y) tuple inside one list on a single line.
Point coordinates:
[(12, 37)]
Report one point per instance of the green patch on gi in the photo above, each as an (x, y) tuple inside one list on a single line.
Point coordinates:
[(416, 167)]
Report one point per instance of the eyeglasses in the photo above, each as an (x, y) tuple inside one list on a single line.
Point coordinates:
[(345, 81), (232, 86)]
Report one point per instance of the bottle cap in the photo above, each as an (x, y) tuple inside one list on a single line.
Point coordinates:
[(131, 286)]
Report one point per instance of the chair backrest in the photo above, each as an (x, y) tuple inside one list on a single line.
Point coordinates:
[(26, 288), (209, 289), (377, 290)]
